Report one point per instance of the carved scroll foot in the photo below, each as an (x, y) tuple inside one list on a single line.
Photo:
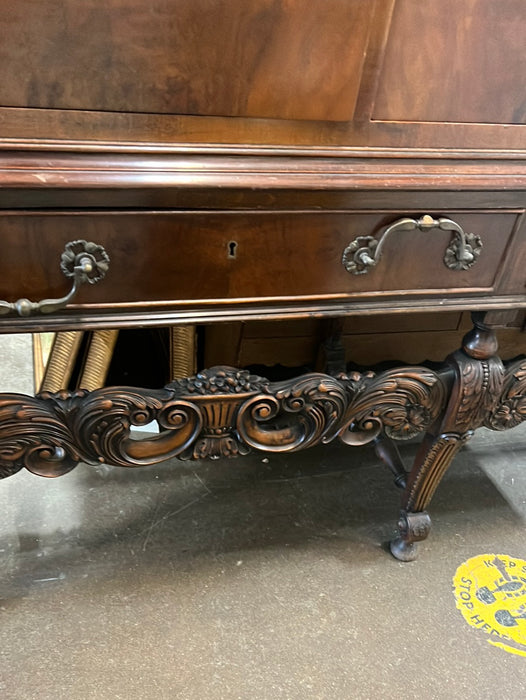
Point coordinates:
[(431, 463), (413, 528)]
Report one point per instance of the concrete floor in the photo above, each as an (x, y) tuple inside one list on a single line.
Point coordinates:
[(249, 579)]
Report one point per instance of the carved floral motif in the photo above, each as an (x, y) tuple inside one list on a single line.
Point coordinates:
[(510, 411), (402, 402), (220, 380)]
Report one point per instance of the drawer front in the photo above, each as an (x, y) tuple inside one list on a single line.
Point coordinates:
[(179, 258)]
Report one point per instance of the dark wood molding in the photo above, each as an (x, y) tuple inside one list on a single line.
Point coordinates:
[(237, 169), (36, 146), (93, 319), (66, 175)]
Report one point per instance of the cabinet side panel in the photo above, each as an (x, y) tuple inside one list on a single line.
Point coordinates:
[(282, 59), (453, 61)]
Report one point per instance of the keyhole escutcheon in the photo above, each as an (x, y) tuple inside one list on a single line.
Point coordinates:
[(232, 249)]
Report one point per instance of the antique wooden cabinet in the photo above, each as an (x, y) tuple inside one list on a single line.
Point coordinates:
[(192, 161)]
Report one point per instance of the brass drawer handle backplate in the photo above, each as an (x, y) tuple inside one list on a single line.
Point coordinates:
[(365, 251), (81, 260)]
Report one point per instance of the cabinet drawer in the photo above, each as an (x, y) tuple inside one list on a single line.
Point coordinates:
[(181, 258)]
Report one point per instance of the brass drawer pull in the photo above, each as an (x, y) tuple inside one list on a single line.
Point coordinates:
[(81, 260), (462, 252)]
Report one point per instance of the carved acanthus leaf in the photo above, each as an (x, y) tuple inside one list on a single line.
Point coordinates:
[(33, 434), (402, 402), (479, 387), (510, 410)]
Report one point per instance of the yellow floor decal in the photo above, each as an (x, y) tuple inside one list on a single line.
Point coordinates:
[(490, 591)]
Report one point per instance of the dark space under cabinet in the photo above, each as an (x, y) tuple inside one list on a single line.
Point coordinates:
[(206, 162)]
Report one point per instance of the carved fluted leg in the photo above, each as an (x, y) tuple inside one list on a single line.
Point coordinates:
[(431, 463), (477, 376)]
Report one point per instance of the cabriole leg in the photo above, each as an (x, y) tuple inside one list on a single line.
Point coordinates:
[(476, 388)]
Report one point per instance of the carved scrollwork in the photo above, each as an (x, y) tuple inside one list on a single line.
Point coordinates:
[(103, 420), (402, 402), (33, 434), (510, 409), (221, 412), (295, 414)]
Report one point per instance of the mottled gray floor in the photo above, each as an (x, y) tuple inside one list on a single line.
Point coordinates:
[(249, 579)]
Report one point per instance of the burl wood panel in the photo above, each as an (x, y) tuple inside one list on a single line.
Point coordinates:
[(452, 61), (159, 257), (257, 58)]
